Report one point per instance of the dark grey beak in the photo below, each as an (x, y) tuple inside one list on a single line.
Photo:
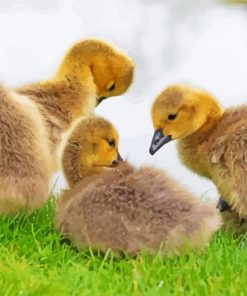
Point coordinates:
[(119, 159), (99, 100), (159, 140)]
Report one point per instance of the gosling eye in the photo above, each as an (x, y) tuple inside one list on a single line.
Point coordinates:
[(112, 87), (111, 142), (172, 116)]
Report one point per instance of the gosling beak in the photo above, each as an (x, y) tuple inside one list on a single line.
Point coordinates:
[(119, 159), (159, 139), (222, 205), (99, 100)]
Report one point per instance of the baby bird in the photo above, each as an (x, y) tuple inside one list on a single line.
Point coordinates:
[(211, 141), (33, 118), (90, 72), (111, 204)]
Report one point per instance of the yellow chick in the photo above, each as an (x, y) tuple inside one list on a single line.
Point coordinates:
[(111, 204), (211, 141), (90, 72)]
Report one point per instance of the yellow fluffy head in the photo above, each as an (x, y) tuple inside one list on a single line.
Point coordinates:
[(95, 143), (179, 111), (112, 70)]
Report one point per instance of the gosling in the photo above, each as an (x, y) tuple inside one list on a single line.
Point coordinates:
[(111, 204), (91, 71), (212, 141)]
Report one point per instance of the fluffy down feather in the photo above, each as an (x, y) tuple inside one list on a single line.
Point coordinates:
[(25, 161), (134, 209)]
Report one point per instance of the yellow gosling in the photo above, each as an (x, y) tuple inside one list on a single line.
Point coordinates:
[(90, 72), (212, 142), (111, 204)]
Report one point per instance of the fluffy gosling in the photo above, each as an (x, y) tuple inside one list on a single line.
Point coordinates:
[(111, 204), (212, 141)]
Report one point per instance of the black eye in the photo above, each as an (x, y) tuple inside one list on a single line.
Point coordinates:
[(172, 116), (111, 143), (112, 87)]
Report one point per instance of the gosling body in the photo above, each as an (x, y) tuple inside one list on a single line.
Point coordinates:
[(25, 161)]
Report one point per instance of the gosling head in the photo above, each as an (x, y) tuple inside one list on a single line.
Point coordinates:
[(91, 147), (111, 69), (179, 111)]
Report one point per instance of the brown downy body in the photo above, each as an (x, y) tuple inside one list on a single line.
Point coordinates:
[(212, 141), (25, 162), (124, 208)]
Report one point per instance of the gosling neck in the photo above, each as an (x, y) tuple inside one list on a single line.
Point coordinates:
[(74, 168), (79, 80), (81, 173), (214, 115), (75, 175)]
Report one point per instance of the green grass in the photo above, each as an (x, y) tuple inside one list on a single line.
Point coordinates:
[(34, 262)]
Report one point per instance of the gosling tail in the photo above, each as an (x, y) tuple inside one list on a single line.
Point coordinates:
[(196, 229)]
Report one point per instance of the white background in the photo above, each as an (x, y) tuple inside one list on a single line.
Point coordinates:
[(201, 42)]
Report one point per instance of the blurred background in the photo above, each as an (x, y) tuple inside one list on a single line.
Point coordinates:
[(200, 42)]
